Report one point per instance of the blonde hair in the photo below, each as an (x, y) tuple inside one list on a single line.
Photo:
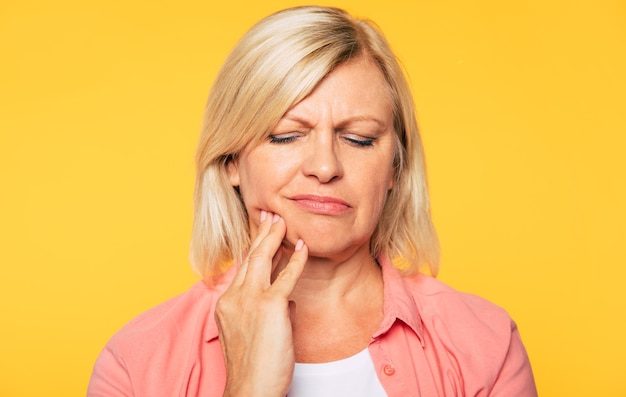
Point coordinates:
[(276, 64)]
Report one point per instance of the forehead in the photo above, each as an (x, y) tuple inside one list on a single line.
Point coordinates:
[(354, 90)]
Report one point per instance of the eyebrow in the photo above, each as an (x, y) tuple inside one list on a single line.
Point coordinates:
[(343, 123)]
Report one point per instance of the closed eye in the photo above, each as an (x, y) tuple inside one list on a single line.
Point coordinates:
[(283, 138), (360, 142)]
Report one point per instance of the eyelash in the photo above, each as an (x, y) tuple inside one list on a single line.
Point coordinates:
[(287, 139), (361, 142), (357, 142)]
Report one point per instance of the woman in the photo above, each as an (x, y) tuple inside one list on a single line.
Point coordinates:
[(310, 181)]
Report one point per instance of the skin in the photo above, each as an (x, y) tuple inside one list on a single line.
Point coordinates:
[(314, 192)]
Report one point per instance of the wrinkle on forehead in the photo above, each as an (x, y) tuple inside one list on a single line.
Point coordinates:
[(374, 104)]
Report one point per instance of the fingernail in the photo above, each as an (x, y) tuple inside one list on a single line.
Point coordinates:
[(276, 218), (299, 244), (263, 215)]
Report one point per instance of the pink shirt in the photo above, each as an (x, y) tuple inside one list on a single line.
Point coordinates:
[(433, 341)]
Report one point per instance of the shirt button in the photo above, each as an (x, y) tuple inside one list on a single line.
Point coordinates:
[(389, 370)]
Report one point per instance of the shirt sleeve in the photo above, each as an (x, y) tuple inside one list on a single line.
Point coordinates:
[(110, 376), (515, 378)]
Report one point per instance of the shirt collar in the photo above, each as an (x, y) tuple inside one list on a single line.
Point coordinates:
[(219, 286), (398, 302)]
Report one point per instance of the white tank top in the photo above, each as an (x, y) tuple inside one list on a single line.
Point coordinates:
[(352, 376)]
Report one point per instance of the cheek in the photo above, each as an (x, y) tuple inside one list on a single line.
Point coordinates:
[(256, 184), (251, 191), (253, 200), (379, 193), (379, 199)]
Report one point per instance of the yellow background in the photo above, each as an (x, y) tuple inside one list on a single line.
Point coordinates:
[(523, 115)]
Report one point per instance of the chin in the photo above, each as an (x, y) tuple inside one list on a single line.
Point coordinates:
[(325, 245)]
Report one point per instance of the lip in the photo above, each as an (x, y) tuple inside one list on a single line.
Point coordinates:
[(324, 205)]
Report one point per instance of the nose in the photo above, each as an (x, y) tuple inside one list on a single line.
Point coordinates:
[(321, 159)]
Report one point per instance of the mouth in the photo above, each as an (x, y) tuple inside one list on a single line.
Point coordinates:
[(323, 205)]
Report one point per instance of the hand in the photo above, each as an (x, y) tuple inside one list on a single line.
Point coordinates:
[(254, 316)]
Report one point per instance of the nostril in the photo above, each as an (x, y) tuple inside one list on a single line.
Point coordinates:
[(323, 164)]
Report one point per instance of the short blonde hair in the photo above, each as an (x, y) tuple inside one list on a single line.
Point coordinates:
[(276, 64)]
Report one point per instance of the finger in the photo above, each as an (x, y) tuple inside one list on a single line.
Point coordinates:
[(276, 259), (260, 259), (265, 222), (292, 311), (286, 280)]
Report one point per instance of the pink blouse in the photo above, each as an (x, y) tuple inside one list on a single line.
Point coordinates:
[(433, 341)]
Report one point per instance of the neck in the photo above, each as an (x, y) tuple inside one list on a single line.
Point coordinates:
[(336, 280), (338, 306)]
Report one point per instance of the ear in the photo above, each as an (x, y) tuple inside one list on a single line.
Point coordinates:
[(232, 168)]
